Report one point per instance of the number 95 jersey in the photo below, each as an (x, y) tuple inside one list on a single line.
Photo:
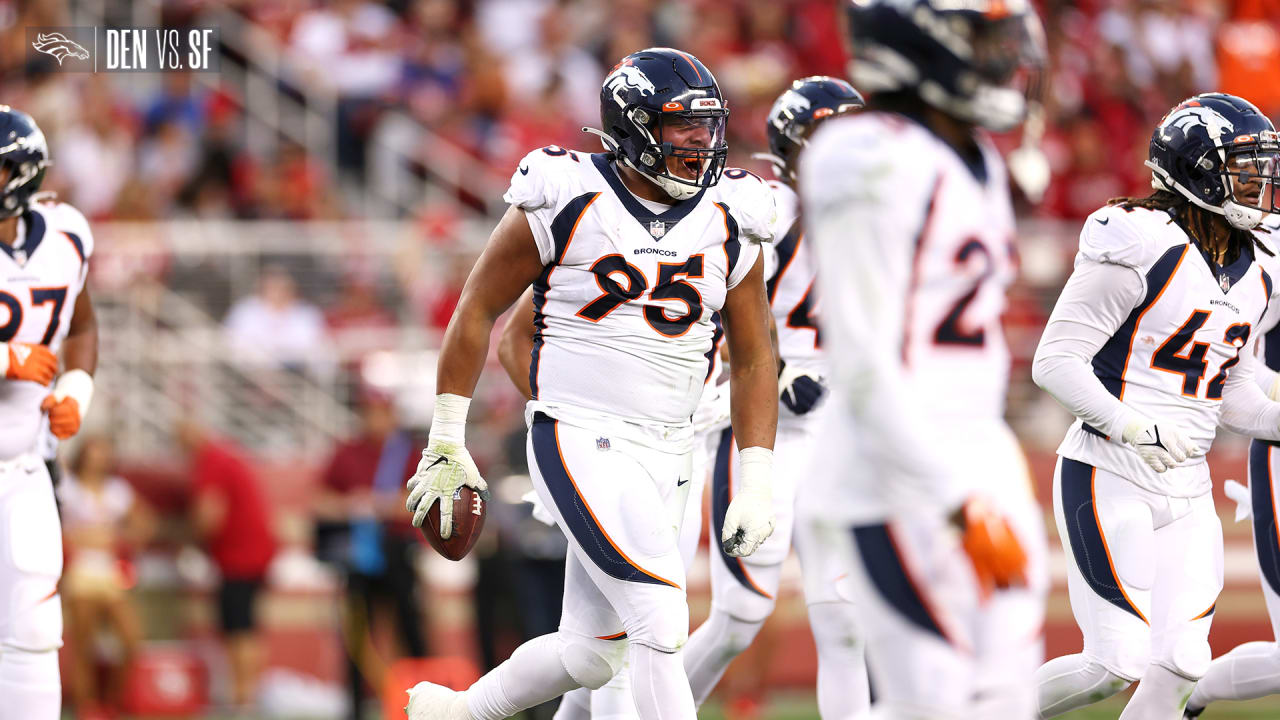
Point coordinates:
[(623, 306), (41, 276)]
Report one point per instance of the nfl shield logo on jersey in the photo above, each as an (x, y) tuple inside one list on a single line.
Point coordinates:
[(1224, 281), (657, 229), (602, 443)]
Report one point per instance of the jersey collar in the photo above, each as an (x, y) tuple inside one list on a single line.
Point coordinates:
[(35, 227), (657, 224)]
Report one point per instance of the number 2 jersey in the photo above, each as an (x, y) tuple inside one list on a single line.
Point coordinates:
[(914, 251), (41, 276), (624, 305), (1171, 357)]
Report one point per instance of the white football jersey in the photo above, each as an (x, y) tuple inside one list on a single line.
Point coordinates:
[(1171, 357), (791, 287), (40, 278), (915, 249), (623, 309)]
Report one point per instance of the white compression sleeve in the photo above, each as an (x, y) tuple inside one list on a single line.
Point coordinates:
[(1245, 408), (1096, 301)]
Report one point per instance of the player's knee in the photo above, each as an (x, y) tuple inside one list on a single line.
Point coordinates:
[(1189, 658), (591, 662), (835, 628), (745, 605), (1124, 665), (663, 625)]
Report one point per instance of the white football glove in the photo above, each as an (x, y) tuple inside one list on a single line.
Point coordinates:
[(1243, 499), (445, 466), (1161, 445), (749, 520)]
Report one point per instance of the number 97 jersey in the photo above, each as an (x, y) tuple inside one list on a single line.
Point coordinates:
[(624, 305), (41, 276)]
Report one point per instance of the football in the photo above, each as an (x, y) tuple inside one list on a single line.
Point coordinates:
[(469, 509)]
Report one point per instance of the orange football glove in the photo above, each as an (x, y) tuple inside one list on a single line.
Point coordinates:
[(36, 363), (64, 416), (997, 556)]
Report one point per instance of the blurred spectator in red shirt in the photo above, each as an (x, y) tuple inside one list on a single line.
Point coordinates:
[(230, 513), (362, 528)]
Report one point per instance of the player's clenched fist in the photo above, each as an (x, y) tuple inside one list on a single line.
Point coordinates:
[(995, 551), (749, 520), (1160, 445), (64, 416), (24, 361), (445, 467)]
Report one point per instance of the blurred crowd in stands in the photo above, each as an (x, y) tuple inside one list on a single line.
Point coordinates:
[(498, 77)]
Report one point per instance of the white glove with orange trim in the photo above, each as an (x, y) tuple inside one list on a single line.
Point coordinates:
[(24, 361), (749, 520), (69, 403)]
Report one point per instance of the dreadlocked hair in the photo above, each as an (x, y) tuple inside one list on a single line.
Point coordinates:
[(1194, 221)]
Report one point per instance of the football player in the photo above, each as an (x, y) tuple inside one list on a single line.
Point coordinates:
[(744, 590), (918, 480), (1144, 347), (44, 253), (1252, 670), (630, 252)]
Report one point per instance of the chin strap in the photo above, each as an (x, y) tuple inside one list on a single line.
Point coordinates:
[(609, 143)]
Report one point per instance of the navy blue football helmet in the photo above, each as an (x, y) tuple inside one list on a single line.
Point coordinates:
[(24, 155), (978, 61), (652, 101), (795, 114), (1221, 153)]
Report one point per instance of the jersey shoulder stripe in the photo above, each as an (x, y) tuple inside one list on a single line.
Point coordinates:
[(786, 249), (732, 246), (1112, 361), (563, 228)]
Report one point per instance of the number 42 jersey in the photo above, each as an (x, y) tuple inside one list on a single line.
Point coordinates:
[(623, 306)]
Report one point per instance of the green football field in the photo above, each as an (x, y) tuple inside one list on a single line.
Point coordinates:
[(803, 708)]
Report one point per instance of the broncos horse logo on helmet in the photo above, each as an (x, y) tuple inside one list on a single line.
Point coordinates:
[(795, 114), (644, 97), (59, 46), (1222, 154)]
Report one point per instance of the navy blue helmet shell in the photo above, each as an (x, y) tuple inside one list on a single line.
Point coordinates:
[(1214, 149), (798, 110), (976, 60), (24, 153), (652, 90)]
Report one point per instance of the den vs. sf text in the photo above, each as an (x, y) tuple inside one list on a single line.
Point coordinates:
[(151, 49)]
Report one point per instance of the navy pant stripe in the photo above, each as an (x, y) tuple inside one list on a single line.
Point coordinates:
[(1088, 545), (1264, 513), (885, 569), (581, 522)]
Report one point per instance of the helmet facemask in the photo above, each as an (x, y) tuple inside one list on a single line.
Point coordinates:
[(1250, 175), (685, 150)]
